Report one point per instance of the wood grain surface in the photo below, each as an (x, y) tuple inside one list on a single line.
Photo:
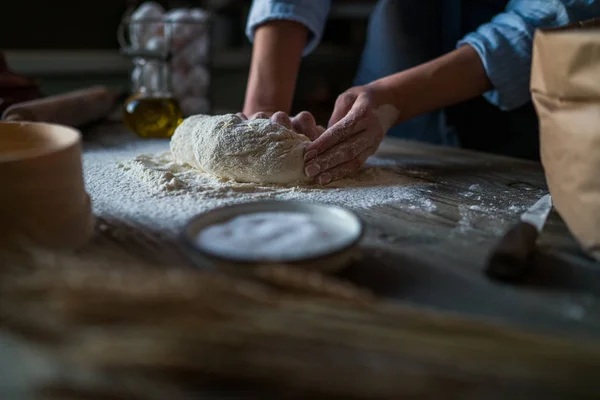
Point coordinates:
[(429, 323), (436, 259)]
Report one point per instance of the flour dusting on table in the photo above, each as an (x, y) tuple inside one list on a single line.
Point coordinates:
[(143, 183)]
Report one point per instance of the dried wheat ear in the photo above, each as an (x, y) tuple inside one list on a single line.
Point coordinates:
[(134, 320)]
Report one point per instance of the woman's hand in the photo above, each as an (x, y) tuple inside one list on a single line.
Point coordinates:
[(363, 114), (357, 126), (303, 123)]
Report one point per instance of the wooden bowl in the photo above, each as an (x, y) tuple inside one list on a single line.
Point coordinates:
[(43, 195), (349, 225)]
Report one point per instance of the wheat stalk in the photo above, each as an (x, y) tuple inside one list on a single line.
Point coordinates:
[(326, 339)]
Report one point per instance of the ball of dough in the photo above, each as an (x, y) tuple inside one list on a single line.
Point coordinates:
[(259, 151)]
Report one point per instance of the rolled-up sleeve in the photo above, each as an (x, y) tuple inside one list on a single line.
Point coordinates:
[(310, 13), (505, 44)]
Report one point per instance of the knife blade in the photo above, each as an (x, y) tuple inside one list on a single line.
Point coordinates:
[(510, 260)]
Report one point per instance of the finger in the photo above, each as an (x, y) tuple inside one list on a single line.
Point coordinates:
[(343, 105), (282, 119), (305, 124), (352, 124), (242, 116), (260, 115), (346, 169), (340, 154)]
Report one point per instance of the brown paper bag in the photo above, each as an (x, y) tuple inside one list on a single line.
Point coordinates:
[(565, 86)]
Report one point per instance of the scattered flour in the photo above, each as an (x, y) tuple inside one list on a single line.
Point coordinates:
[(476, 207), (514, 208), (427, 205), (466, 220), (142, 183), (493, 214), (481, 220)]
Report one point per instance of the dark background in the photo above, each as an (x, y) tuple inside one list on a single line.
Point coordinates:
[(67, 44), (76, 24)]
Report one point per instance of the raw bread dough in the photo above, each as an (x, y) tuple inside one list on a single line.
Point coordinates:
[(258, 151)]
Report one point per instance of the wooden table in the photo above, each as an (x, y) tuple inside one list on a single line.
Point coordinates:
[(428, 259), (436, 259)]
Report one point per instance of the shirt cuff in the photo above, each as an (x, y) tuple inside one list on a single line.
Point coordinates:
[(505, 52), (308, 14)]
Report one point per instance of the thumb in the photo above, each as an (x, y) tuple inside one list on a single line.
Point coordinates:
[(343, 105)]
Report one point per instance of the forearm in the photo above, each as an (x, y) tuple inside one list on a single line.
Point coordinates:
[(450, 79), (276, 56)]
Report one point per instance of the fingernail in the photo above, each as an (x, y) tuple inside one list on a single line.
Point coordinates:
[(324, 179), (310, 155), (312, 170)]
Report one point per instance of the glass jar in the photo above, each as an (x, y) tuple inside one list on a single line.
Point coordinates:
[(170, 78)]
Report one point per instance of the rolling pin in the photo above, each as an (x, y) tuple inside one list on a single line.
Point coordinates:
[(75, 108)]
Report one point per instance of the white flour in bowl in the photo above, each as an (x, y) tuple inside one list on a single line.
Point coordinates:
[(272, 236), (143, 184)]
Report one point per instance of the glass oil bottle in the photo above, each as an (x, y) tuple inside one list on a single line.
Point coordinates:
[(151, 111)]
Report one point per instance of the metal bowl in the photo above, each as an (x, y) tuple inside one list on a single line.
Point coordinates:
[(332, 260)]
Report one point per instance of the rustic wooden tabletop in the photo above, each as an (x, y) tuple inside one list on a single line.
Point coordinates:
[(436, 259), (429, 259)]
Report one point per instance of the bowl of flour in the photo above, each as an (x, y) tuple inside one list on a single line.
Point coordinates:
[(314, 236)]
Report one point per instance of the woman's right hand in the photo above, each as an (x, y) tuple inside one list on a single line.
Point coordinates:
[(303, 123)]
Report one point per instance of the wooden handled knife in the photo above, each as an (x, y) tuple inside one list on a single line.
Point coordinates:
[(511, 258)]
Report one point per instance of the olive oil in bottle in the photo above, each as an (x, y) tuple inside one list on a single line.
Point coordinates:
[(152, 116), (152, 111)]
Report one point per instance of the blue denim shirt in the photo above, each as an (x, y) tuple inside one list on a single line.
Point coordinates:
[(504, 44)]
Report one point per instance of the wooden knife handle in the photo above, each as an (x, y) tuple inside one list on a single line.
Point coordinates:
[(73, 109), (511, 258)]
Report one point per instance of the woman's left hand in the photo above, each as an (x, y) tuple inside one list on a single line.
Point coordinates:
[(357, 126)]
